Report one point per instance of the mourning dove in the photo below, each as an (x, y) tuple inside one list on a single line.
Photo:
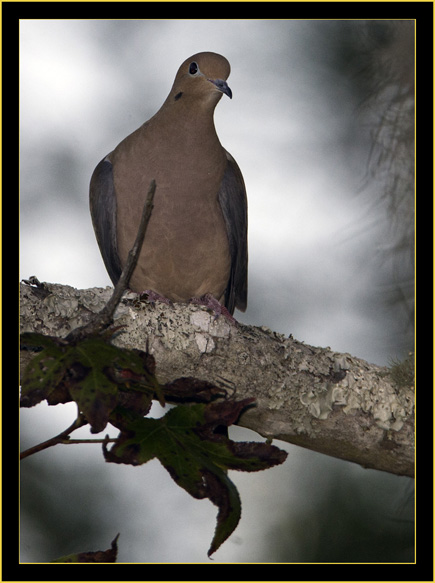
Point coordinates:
[(196, 240)]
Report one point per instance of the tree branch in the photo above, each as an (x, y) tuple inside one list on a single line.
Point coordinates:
[(313, 397)]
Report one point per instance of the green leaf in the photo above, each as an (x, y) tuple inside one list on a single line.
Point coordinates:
[(44, 372), (92, 372), (189, 444), (94, 392)]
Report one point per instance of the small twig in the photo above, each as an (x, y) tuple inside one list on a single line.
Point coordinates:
[(61, 438), (104, 318), (133, 255)]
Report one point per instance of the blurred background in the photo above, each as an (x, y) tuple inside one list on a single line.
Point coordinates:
[(322, 126)]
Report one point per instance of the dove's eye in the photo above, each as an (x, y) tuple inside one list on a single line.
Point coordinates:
[(193, 68)]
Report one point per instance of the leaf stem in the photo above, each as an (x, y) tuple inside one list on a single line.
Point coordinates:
[(105, 440)]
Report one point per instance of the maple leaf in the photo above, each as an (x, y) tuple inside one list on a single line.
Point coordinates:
[(189, 444), (92, 372), (186, 389), (107, 556)]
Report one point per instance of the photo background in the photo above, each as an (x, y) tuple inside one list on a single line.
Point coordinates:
[(321, 125)]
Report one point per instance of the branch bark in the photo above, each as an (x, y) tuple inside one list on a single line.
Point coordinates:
[(328, 402)]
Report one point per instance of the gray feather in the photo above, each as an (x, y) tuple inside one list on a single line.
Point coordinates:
[(233, 201), (102, 202)]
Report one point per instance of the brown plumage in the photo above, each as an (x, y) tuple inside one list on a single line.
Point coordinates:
[(196, 241)]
